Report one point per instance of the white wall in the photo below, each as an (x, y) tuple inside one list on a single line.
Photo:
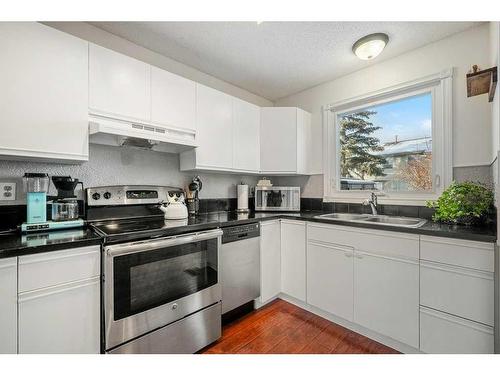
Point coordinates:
[(471, 116), (103, 38)]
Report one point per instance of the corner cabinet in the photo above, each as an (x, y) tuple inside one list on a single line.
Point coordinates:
[(44, 95), (287, 142), (8, 306), (59, 302)]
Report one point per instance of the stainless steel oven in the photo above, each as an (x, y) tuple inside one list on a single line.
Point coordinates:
[(163, 295)]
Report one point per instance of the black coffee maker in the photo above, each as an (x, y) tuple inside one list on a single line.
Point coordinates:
[(65, 205)]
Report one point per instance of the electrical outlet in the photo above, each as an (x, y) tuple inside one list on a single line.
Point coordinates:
[(7, 191)]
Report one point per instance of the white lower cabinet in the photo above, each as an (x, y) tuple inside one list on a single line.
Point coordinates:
[(442, 333), (456, 296), (431, 294), (293, 259), (459, 291), (8, 306), (59, 302), (60, 319), (330, 278), (386, 296), (270, 260)]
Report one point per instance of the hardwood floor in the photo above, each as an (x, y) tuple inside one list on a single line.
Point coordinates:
[(283, 328)]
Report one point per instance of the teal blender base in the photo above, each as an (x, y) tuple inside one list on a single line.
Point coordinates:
[(51, 225)]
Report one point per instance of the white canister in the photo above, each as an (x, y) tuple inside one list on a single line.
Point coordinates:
[(242, 198)]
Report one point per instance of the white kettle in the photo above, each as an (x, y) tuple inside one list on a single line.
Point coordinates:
[(175, 207)]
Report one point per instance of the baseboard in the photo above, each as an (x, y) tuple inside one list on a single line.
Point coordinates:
[(399, 346)]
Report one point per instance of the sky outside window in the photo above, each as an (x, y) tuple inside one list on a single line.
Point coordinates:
[(407, 118)]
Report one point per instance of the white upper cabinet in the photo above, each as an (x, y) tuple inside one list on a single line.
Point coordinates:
[(8, 306), (214, 123), (287, 142), (44, 95), (278, 140), (173, 100), (246, 136), (119, 86)]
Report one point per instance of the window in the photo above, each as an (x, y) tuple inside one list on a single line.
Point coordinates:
[(396, 142)]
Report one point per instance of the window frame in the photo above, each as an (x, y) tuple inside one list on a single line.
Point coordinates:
[(440, 87)]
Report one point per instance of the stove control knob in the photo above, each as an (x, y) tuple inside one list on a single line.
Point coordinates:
[(96, 196), (107, 195)]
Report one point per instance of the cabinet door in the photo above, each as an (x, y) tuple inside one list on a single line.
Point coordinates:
[(304, 142), (215, 128), (278, 140), (8, 306), (246, 126), (293, 259), (330, 278), (173, 100), (386, 296), (44, 93), (270, 260), (119, 85), (61, 319)]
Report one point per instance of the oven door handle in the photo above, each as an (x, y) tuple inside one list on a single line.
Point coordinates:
[(141, 246)]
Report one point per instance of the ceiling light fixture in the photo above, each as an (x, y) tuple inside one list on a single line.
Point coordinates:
[(370, 46)]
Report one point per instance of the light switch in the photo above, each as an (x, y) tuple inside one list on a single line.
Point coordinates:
[(7, 191)]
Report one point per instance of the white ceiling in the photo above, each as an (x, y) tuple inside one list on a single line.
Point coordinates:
[(276, 59)]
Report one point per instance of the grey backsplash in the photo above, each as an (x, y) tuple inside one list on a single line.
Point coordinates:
[(117, 165), (120, 166)]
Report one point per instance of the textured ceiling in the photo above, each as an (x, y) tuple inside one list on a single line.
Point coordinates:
[(276, 59)]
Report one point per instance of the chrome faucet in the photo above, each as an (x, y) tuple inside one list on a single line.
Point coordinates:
[(372, 201)]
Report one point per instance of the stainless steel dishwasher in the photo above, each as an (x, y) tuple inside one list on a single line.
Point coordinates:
[(240, 265)]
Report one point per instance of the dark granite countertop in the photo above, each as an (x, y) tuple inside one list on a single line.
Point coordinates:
[(15, 244)]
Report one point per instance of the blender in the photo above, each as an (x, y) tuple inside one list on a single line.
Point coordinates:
[(36, 186)]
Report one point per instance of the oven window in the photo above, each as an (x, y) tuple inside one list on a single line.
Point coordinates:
[(149, 279)]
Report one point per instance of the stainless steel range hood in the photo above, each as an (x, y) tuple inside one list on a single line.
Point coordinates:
[(114, 132)]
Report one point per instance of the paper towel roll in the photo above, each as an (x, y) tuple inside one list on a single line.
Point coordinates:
[(242, 198)]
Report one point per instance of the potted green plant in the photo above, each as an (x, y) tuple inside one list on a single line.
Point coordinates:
[(466, 203)]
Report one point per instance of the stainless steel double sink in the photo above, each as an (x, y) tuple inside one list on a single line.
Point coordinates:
[(396, 221)]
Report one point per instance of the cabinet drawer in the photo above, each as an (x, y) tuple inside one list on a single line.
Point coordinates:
[(471, 254), (390, 244), (442, 333), (458, 291), (58, 267)]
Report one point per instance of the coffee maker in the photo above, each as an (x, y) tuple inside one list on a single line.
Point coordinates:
[(65, 205), (36, 186)]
